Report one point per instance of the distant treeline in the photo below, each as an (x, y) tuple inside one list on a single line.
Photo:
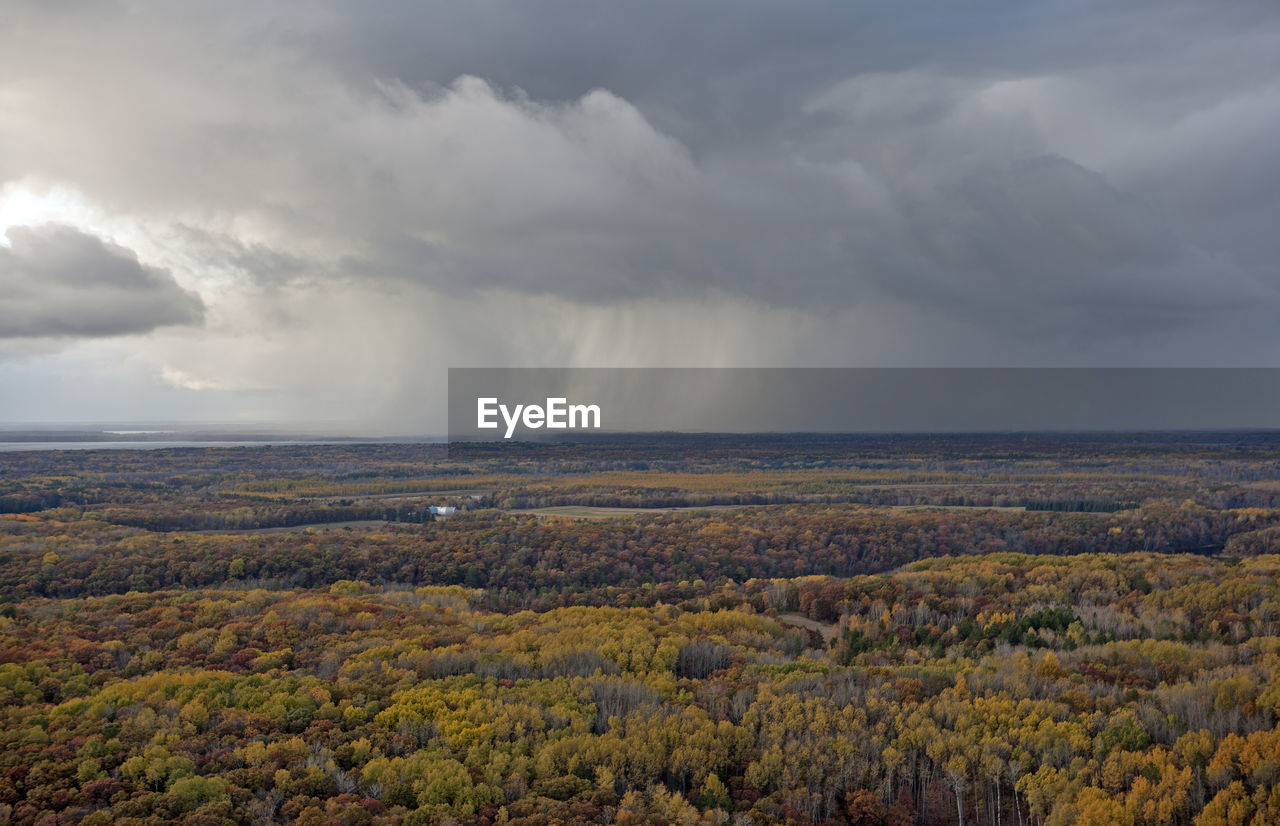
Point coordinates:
[(528, 562), (254, 518), (29, 501)]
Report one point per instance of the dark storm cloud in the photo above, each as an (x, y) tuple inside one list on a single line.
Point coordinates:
[(1047, 233), (837, 149), (1042, 173), (743, 68), (57, 282)]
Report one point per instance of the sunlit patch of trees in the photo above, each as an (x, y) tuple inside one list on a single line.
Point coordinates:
[(991, 689)]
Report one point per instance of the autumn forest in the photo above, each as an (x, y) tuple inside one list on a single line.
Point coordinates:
[(1030, 630)]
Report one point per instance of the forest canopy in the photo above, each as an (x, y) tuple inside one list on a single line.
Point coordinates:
[(939, 630)]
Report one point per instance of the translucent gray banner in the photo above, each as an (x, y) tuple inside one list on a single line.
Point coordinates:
[(535, 404)]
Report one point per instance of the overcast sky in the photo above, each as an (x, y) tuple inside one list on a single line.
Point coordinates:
[(307, 211)]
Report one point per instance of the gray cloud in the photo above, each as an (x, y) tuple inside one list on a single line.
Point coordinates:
[(829, 182), (1043, 243), (58, 282)]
